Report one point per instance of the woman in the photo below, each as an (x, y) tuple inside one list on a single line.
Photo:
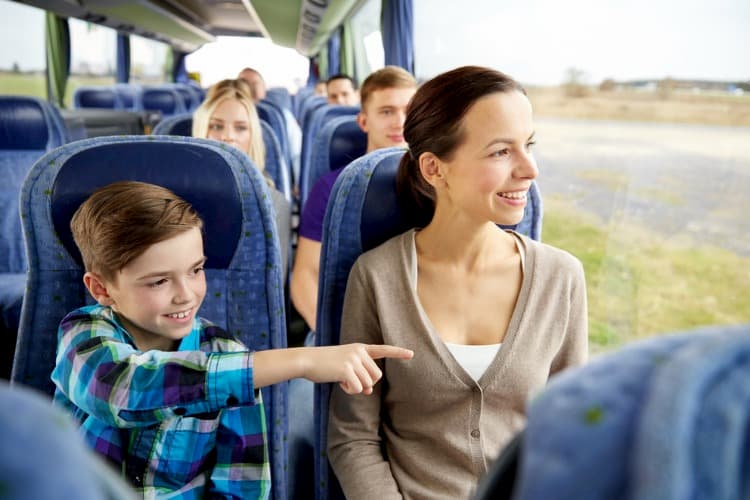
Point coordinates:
[(228, 115), (489, 313)]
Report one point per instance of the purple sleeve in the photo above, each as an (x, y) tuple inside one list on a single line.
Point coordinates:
[(311, 222)]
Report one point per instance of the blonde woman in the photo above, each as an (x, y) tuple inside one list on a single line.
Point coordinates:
[(228, 115)]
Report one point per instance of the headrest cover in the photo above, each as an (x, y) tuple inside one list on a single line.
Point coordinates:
[(348, 143), (204, 180), (23, 124)]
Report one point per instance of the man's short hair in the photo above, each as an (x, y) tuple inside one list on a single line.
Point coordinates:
[(342, 76), (385, 78), (119, 222)]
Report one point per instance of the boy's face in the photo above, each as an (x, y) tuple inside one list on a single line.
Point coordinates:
[(383, 115), (157, 295)]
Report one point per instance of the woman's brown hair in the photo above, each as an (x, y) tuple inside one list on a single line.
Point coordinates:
[(433, 124)]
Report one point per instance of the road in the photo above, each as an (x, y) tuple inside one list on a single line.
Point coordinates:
[(690, 183)]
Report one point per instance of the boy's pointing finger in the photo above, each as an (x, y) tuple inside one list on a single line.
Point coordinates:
[(389, 351)]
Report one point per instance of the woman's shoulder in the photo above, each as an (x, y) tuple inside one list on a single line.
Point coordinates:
[(392, 251), (552, 257)]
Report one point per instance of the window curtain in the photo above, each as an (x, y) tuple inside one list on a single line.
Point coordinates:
[(123, 58), (397, 27), (58, 57)]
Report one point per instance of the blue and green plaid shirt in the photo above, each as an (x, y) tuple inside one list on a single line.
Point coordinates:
[(187, 423)]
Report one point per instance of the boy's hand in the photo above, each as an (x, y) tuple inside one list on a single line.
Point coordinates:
[(351, 365)]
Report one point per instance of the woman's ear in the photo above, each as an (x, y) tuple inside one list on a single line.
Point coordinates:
[(431, 168), (97, 287)]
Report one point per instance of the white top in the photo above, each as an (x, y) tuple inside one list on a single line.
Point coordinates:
[(475, 359)]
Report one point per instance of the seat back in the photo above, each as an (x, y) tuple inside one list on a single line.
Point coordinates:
[(165, 99), (362, 213), (181, 125), (243, 270), (319, 118), (280, 96), (268, 112), (339, 142), (665, 418), (97, 97), (130, 96), (29, 127)]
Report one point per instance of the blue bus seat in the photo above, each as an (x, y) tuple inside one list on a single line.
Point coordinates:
[(165, 99), (309, 106), (268, 112), (181, 125), (664, 418), (362, 213), (29, 127), (44, 456), (243, 271), (130, 96), (298, 98), (338, 143), (191, 99), (318, 119), (280, 97), (97, 97)]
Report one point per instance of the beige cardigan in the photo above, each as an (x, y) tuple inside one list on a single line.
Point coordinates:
[(429, 430)]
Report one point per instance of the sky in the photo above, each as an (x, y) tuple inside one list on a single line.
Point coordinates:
[(536, 41)]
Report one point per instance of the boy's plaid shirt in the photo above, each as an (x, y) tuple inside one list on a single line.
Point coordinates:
[(193, 424)]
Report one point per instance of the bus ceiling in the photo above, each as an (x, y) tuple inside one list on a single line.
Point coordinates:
[(187, 24)]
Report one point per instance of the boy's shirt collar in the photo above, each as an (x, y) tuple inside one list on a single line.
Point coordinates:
[(191, 342)]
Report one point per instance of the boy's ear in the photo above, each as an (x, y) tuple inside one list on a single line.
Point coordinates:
[(97, 287), (362, 121)]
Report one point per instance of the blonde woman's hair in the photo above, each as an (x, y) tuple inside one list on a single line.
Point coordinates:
[(239, 90)]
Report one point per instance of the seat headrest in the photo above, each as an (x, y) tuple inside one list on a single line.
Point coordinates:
[(348, 143), (97, 97), (382, 216), (166, 100), (23, 124), (203, 179)]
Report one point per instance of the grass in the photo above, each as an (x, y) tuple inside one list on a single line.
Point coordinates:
[(33, 84), (639, 285), (631, 105)]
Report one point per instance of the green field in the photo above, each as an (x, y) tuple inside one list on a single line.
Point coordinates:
[(640, 285), (34, 84)]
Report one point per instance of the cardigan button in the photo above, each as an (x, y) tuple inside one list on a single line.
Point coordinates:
[(179, 411), (475, 433), (232, 401)]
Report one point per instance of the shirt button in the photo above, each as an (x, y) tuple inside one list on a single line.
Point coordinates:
[(180, 411), (232, 401), (475, 433)]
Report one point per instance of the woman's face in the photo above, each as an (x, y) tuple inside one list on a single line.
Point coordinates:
[(230, 124), (490, 173)]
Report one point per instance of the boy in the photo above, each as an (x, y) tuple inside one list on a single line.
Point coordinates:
[(168, 397)]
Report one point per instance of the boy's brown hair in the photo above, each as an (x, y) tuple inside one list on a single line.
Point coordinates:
[(385, 78), (119, 222)]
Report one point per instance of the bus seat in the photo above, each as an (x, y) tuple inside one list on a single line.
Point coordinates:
[(319, 118), (97, 97), (181, 125), (302, 95), (29, 127), (338, 143), (44, 456), (165, 99), (309, 106), (268, 112), (189, 97), (280, 97), (362, 213), (243, 271), (664, 418), (130, 96)]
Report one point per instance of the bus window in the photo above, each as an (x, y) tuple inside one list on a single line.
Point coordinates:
[(149, 61), (93, 51), (22, 68), (643, 156)]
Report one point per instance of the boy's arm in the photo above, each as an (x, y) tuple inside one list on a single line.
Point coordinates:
[(103, 375), (242, 469)]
